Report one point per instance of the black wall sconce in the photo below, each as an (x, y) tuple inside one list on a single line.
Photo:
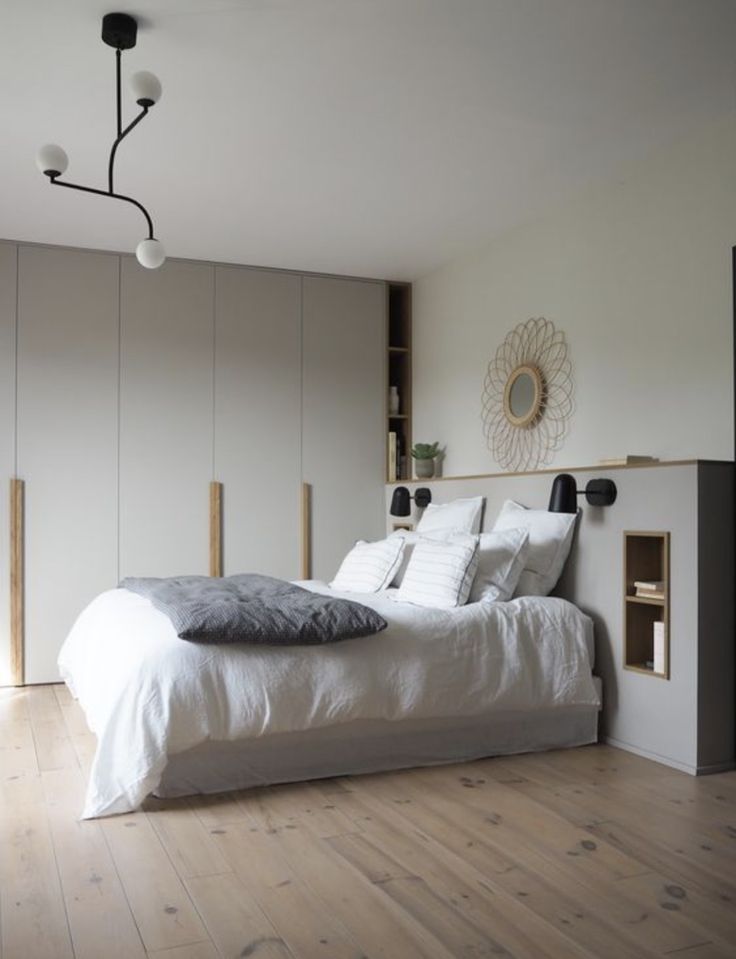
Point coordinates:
[(598, 492), (401, 500)]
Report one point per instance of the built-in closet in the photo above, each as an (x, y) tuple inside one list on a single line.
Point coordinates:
[(125, 392)]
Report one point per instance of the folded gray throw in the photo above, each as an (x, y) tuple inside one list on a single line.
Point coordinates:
[(254, 609)]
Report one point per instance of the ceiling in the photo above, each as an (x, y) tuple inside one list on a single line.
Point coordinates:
[(367, 137)]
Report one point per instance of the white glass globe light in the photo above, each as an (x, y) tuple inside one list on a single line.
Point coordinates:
[(146, 88), (150, 253), (52, 160)]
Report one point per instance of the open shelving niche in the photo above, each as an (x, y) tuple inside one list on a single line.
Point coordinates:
[(399, 375), (646, 557)]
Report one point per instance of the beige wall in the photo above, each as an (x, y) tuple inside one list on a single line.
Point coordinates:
[(638, 276)]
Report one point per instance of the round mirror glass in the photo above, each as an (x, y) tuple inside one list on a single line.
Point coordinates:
[(522, 396)]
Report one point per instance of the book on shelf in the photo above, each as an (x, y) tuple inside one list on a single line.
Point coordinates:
[(659, 648), (628, 460), (653, 584), (651, 589), (392, 457)]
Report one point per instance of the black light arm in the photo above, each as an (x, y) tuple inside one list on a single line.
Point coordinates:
[(401, 500), (121, 136), (115, 196), (563, 499)]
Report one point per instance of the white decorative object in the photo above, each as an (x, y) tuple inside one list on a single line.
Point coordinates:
[(659, 648), (527, 396), (393, 401)]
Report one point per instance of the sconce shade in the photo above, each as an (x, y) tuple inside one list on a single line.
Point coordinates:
[(563, 499), (564, 496), (400, 502)]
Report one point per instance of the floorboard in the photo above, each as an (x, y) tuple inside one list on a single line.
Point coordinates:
[(588, 853)]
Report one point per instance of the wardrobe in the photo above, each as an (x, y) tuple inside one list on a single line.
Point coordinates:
[(125, 392)]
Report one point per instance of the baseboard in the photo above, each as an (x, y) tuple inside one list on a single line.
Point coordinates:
[(672, 763)]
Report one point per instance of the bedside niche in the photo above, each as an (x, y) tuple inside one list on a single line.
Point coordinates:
[(646, 560)]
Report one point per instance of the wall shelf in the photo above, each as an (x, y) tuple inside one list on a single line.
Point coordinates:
[(398, 459), (646, 557), (645, 600)]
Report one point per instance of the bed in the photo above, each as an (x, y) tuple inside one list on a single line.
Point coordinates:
[(173, 717)]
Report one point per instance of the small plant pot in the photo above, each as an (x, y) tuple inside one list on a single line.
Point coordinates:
[(424, 469)]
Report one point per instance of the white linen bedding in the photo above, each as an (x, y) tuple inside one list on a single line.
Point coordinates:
[(148, 695)]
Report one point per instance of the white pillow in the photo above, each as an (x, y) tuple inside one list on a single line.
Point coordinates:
[(550, 537), (461, 514), (501, 559), (411, 538), (440, 573), (369, 567)]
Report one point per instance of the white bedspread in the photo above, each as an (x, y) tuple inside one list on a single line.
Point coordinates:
[(148, 694)]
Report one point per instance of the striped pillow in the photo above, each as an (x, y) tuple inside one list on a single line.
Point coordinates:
[(369, 567), (440, 573)]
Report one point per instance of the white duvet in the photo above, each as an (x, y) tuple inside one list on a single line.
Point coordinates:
[(148, 694)]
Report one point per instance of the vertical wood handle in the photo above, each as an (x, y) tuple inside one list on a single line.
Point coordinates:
[(306, 544), (215, 529), (17, 638)]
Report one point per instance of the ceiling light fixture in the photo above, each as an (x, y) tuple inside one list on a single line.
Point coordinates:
[(119, 30)]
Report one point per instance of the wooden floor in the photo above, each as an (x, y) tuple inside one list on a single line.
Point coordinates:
[(571, 854)]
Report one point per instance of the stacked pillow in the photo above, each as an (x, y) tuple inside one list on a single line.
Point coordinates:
[(446, 562), (369, 567), (461, 515), (440, 571), (550, 538)]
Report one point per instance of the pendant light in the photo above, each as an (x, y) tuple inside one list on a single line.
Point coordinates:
[(119, 30)]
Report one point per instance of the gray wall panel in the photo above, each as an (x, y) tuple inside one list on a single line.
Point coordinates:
[(67, 439), (166, 360), (257, 418), (344, 410)]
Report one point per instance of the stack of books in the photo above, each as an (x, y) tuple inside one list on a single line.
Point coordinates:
[(396, 457), (651, 588), (393, 458)]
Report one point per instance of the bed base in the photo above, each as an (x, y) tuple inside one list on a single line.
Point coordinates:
[(368, 746)]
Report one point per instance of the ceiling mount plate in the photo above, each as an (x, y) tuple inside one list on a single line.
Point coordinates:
[(119, 30)]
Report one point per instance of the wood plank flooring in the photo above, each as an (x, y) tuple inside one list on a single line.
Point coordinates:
[(573, 854)]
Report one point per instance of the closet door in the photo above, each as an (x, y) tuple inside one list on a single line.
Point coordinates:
[(67, 440), (8, 253), (257, 418), (166, 407), (344, 433)]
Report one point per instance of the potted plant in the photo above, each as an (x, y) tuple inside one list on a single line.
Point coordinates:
[(424, 455)]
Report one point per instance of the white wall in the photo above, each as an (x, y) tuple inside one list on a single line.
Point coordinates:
[(638, 276)]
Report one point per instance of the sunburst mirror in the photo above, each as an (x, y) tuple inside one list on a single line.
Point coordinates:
[(527, 396)]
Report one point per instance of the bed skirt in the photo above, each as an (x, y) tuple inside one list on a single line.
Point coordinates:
[(368, 746)]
